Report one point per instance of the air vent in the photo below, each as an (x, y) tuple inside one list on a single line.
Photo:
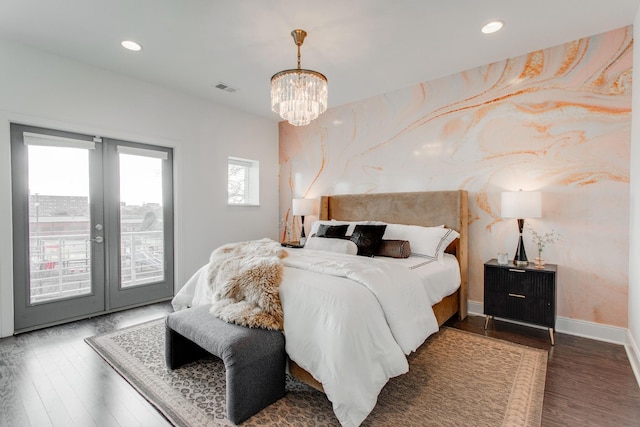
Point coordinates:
[(225, 87)]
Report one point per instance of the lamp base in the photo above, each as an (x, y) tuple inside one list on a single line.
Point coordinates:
[(520, 258), (302, 236)]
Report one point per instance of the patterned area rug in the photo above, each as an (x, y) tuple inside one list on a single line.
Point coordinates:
[(455, 378)]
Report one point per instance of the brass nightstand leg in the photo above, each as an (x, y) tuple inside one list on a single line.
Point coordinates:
[(551, 335), (486, 321)]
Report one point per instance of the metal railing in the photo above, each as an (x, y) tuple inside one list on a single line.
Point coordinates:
[(61, 264), (142, 258)]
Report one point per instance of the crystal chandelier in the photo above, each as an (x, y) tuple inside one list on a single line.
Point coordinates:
[(299, 95)]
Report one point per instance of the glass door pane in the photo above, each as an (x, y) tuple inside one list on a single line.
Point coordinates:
[(59, 223), (141, 220)]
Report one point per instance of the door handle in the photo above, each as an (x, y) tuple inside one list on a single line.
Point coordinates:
[(98, 239)]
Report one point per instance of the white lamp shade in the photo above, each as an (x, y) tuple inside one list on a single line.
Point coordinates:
[(302, 207), (521, 204)]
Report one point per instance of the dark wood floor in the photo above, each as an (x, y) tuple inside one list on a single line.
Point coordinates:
[(51, 377)]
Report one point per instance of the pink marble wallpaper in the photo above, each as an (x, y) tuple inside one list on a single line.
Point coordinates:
[(556, 120)]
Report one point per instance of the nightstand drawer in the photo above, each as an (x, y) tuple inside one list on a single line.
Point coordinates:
[(519, 307), (519, 281)]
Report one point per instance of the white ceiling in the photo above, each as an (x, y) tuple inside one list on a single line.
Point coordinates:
[(364, 47)]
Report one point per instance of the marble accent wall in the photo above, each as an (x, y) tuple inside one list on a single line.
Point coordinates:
[(557, 120)]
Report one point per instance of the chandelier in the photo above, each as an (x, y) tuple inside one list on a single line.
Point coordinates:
[(299, 95)]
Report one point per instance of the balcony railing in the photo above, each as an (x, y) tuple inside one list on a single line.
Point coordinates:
[(142, 258), (61, 264)]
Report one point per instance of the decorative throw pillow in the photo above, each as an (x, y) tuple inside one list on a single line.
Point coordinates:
[(332, 231), (341, 246), (351, 224), (428, 242), (394, 249), (368, 238)]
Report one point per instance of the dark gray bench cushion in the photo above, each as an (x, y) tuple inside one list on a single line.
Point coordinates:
[(254, 359)]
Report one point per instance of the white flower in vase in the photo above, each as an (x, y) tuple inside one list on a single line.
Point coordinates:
[(541, 240)]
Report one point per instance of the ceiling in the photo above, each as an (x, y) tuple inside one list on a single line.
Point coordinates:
[(364, 47)]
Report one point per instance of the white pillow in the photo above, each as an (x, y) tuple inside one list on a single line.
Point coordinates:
[(428, 242), (342, 246)]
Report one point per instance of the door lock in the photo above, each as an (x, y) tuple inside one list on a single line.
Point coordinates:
[(98, 239)]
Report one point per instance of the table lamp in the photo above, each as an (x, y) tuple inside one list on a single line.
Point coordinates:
[(302, 207), (521, 205)]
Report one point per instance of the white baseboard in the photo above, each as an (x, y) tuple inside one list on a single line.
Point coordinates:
[(565, 325), (634, 355), (596, 331), (475, 308)]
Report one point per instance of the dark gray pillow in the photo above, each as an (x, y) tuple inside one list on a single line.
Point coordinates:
[(332, 231), (368, 238), (394, 248)]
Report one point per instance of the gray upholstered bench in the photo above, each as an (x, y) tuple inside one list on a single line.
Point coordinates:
[(254, 358)]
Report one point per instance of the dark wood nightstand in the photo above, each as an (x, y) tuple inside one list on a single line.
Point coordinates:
[(526, 294)]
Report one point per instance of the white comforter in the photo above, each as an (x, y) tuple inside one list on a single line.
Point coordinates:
[(348, 320)]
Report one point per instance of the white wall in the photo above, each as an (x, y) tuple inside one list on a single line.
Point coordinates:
[(41, 89), (634, 214)]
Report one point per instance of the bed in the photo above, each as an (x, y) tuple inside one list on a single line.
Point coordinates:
[(431, 208), (351, 320)]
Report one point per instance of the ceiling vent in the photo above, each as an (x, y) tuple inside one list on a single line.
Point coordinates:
[(225, 87)]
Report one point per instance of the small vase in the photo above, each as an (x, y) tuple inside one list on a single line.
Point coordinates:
[(539, 262)]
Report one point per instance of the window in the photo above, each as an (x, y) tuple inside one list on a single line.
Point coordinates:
[(244, 182)]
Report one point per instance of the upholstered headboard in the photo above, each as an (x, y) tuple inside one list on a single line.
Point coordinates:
[(429, 208)]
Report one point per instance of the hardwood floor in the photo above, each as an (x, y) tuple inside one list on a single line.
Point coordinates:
[(52, 377)]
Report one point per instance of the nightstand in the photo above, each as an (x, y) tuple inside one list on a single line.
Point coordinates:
[(526, 294)]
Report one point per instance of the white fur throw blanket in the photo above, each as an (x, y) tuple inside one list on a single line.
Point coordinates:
[(244, 279)]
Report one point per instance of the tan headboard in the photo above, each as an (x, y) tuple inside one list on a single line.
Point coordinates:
[(429, 208)]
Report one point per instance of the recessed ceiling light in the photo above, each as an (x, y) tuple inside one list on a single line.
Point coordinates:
[(131, 45), (492, 27)]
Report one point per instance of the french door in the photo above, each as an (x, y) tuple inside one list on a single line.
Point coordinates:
[(92, 225)]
